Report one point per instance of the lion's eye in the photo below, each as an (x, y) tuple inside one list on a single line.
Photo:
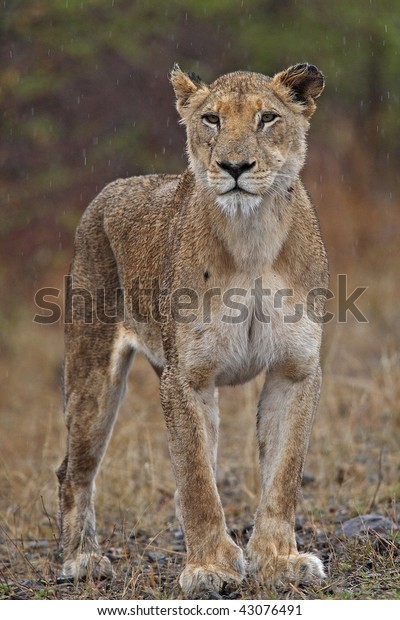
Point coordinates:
[(268, 117), (211, 119)]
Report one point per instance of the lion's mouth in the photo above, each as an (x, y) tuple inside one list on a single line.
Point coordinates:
[(237, 190)]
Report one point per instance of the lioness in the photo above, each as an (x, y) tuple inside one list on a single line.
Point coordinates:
[(222, 271)]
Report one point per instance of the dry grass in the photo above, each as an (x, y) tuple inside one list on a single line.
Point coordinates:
[(353, 458)]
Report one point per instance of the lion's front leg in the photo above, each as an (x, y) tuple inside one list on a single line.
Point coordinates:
[(213, 559), (285, 417), (211, 420)]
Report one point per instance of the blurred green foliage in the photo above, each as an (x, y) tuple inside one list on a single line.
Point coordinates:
[(85, 97)]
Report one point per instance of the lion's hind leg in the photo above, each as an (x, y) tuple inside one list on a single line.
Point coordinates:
[(96, 365)]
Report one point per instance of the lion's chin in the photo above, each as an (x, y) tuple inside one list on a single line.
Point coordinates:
[(238, 203)]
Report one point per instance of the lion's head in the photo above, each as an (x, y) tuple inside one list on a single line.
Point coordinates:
[(246, 131)]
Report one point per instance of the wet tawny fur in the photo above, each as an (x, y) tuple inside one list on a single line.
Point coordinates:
[(237, 222)]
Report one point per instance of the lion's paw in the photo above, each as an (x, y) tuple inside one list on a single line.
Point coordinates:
[(296, 568), (87, 564), (202, 580)]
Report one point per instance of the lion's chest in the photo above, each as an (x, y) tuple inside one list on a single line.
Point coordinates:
[(249, 338), (249, 327)]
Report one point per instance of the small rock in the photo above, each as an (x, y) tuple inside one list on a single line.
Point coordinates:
[(247, 531), (307, 479), (359, 526), (321, 537), (115, 553), (299, 541), (37, 544), (62, 580), (299, 523), (178, 533), (212, 595), (155, 556), (28, 583), (138, 534)]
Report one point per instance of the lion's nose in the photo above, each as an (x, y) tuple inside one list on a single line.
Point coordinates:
[(235, 170)]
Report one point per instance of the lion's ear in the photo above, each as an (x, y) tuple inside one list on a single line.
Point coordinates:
[(188, 88), (305, 83)]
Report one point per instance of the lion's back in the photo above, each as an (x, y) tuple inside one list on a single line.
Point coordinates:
[(128, 221)]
